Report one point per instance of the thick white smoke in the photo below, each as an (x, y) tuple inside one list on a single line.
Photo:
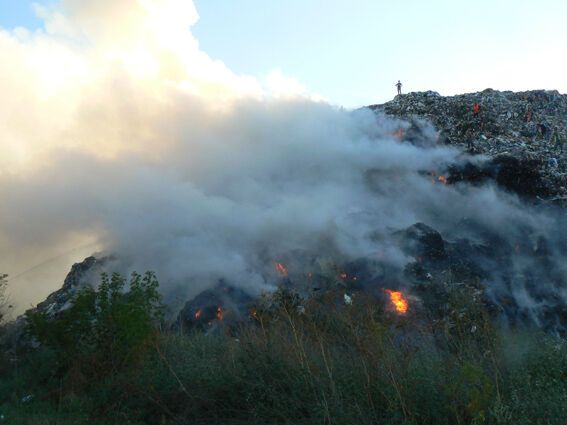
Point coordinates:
[(120, 136), (104, 97)]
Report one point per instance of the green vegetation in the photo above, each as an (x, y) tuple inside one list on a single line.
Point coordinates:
[(105, 361), (3, 284)]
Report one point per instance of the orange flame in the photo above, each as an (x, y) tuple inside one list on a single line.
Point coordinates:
[(282, 269), (442, 179), (399, 301), (198, 314), (399, 134), (220, 313)]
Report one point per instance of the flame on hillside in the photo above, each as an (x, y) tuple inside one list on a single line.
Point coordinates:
[(282, 269), (399, 134), (435, 178), (398, 300)]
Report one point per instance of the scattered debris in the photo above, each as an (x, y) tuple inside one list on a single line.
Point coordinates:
[(529, 126), (27, 398)]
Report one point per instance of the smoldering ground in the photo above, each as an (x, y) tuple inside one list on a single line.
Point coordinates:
[(149, 150)]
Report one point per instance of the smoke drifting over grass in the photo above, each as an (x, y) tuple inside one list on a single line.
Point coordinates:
[(120, 136)]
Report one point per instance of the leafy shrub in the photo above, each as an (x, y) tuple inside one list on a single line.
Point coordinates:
[(105, 329), (3, 284), (295, 362)]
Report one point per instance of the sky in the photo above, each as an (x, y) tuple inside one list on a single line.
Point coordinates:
[(353, 52)]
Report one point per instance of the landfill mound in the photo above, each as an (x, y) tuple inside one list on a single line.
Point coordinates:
[(438, 269), (518, 140), (529, 126)]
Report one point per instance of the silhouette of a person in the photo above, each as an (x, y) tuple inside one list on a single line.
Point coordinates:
[(399, 87)]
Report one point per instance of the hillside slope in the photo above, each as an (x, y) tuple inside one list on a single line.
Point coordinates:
[(531, 125)]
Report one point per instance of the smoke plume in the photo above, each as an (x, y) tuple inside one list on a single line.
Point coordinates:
[(120, 136)]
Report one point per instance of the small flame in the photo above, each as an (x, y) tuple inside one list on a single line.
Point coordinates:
[(399, 301), (220, 313), (399, 133), (282, 269), (344, 276), (442, 179), (198, 314)]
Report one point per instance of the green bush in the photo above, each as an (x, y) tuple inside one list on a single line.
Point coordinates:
[(3, 285), (296, 362), (83, 349), (109, 327)]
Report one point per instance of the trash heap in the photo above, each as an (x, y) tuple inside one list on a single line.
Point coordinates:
[(529, 126), (517, 279)]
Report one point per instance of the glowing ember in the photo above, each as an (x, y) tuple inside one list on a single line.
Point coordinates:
[(399, 301), (281, 269), (220, 313), (442, 179), (198, 314), (399, 134), (344, 275)]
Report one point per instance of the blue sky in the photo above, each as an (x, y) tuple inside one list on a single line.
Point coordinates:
[(353, 52), (17, 13)]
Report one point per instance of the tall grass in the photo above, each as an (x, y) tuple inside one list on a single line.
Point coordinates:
[(324, 363)]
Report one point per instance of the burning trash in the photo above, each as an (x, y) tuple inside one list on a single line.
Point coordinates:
[(399, 134), (282, 269), (399, 301), (435, 178)]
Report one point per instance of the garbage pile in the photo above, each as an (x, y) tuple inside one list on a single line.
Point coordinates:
[(516, 281), (517, 274), (529, 126)]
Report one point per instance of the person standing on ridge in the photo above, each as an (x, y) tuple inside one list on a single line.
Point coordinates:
[(399, 87)]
